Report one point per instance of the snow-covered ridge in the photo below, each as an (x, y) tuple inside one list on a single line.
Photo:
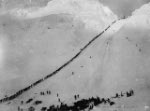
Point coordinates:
[(144, 10), (92, 13), (140, 18)]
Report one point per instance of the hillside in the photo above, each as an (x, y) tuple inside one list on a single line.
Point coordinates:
[(68, 56)]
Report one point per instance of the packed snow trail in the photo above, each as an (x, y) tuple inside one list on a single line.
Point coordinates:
[(20, 92)]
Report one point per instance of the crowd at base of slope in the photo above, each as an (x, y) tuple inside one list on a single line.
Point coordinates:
[(79, 104)]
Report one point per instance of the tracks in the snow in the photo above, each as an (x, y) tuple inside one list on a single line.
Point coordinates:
[(20, 92)]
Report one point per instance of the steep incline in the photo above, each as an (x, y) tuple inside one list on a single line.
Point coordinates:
[(109, 71)]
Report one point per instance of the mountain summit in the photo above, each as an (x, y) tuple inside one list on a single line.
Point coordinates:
[(92, 13)]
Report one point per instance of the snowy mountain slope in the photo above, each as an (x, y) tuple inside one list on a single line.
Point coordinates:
[(31, 44), (115, 63)]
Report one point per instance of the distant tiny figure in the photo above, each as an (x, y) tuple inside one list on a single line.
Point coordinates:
[(72, 73), (48, 92), (78, 96), (58, 99), (57, 94), (42, 93), (130, 93), (136, 45), (122, 94), (75, 97), (48, 28), (117, 95), (18, 108)]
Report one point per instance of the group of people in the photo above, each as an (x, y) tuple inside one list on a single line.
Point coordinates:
[(76, 97), (127, 94), (79, 105), (48, 92)]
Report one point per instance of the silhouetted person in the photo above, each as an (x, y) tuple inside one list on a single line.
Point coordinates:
[(128, 94), (132, 92), (48, 92), (57, 94), (117, 95), (42, 93), (18, 108), (122, 94), (75, 97), (58, 99), (72, 73)]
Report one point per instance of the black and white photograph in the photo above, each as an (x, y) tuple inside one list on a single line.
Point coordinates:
[(74, 55)]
